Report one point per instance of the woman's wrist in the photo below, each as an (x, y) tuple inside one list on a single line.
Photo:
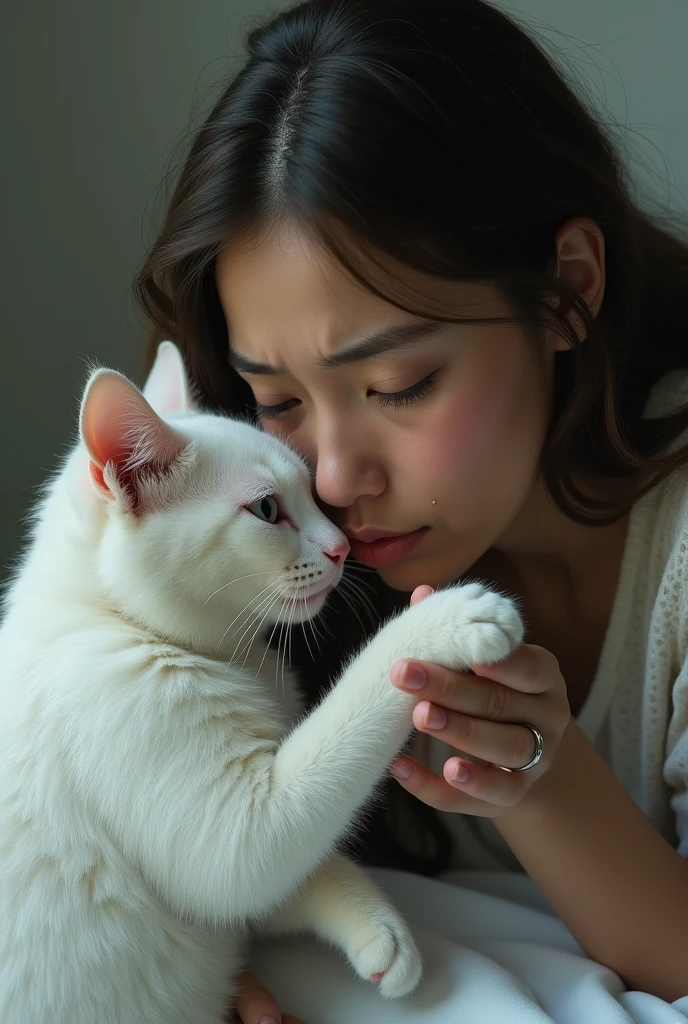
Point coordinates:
[(614, 881)]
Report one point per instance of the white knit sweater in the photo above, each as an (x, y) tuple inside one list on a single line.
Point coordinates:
[(636, 713)]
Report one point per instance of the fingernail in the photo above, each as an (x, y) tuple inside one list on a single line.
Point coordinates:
[(267, 1020), (461, 773), (413, 677), (435, 718), (401, 770)]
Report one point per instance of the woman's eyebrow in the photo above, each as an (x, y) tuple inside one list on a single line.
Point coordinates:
[(386, 340)]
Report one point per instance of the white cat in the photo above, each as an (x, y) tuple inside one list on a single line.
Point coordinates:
[(158, 800)]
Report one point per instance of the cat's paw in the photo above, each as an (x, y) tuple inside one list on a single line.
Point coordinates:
[(471, 625), (382, 950)]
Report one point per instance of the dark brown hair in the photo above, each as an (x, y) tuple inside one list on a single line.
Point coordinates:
[(438, 133)]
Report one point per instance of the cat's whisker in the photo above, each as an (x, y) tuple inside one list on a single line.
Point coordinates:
[(247, 626), (287, 638), (291, 622), (353, 608), (248, 605), (350, 573), (361, 587), (321, 622), (366, 607), (305, 637), (237, 580), (315, 624), (352, 587), (324, 633), (365, 570), (315, 636), (292, 610), (267, 648), (244, 609), (365, 585), (283, 624), (258, 629)]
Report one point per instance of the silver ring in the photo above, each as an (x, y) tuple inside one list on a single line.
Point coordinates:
[(539, 743)]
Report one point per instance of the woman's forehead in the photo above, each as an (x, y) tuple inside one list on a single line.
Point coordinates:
[(283, 288)]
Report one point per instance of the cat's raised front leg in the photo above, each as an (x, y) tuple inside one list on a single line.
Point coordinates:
[(228, 833), (343, 906)]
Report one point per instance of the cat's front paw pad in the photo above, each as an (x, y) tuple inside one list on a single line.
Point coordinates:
[(383, 951), (483, 627)]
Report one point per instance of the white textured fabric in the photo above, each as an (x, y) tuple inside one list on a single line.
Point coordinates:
[(636, 713), (490, 957)]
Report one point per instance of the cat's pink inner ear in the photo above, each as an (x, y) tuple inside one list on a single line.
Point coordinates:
[(125, 439)]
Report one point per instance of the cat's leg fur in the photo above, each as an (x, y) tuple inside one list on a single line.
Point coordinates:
[(329, 764), (343, 906)]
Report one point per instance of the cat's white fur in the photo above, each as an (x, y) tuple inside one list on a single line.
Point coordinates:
[(158, 797)]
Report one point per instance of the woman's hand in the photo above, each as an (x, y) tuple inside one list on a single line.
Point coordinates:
[(255, 1005), (480, 715)]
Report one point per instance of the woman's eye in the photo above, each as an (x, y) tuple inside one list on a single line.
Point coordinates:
[(273, 412), (394, 398), (265, 508), (408, 395)]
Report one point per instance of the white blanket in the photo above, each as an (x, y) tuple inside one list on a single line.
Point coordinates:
[(493, 952)]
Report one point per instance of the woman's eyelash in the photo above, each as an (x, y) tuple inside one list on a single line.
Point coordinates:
[(408, 395), (273, 412), (397, 399)]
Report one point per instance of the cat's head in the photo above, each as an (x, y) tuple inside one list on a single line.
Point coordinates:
[(208, 524)]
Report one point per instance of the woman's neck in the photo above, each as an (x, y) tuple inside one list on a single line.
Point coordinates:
[(546, 548)]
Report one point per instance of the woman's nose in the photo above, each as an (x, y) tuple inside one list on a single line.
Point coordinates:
[(344, 472)]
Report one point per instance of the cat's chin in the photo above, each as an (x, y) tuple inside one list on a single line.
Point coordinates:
[(296, 608)]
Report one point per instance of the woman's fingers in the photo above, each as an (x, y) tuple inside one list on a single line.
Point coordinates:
[(468, 694), (485, 793), (528, 669), (509, 746), (255, 1005), (518, 689)]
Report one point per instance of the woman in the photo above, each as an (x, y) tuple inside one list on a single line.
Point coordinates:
[(401, 242)]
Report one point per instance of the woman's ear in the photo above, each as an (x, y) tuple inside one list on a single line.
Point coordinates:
[(581, 265)]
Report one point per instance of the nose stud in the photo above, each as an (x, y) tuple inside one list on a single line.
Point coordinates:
[(433, 502)]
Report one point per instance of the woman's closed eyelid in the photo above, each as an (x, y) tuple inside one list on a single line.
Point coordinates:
[(403, 381), (396, 383), (397, 397), (275, 409)]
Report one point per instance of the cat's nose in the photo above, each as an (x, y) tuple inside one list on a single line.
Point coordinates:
[(339, 553)]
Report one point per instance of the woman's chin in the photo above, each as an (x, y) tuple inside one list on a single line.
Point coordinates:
[(411, 573)]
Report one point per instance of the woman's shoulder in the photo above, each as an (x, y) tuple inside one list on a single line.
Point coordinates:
[(664, 510), (669, 394)]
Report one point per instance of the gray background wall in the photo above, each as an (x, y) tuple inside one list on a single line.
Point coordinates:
[(94, 97)]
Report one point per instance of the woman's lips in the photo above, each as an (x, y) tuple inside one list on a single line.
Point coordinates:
[(376, 548)]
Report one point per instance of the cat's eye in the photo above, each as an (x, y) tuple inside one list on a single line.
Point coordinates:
[(265, 508)]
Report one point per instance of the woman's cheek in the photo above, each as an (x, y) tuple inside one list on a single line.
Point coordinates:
[(293, 433), (455, 447)]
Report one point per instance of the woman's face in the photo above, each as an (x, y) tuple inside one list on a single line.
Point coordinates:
[(432, 437)]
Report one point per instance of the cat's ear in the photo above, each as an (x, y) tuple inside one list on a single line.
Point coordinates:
[(168, 388), (127, 442)]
